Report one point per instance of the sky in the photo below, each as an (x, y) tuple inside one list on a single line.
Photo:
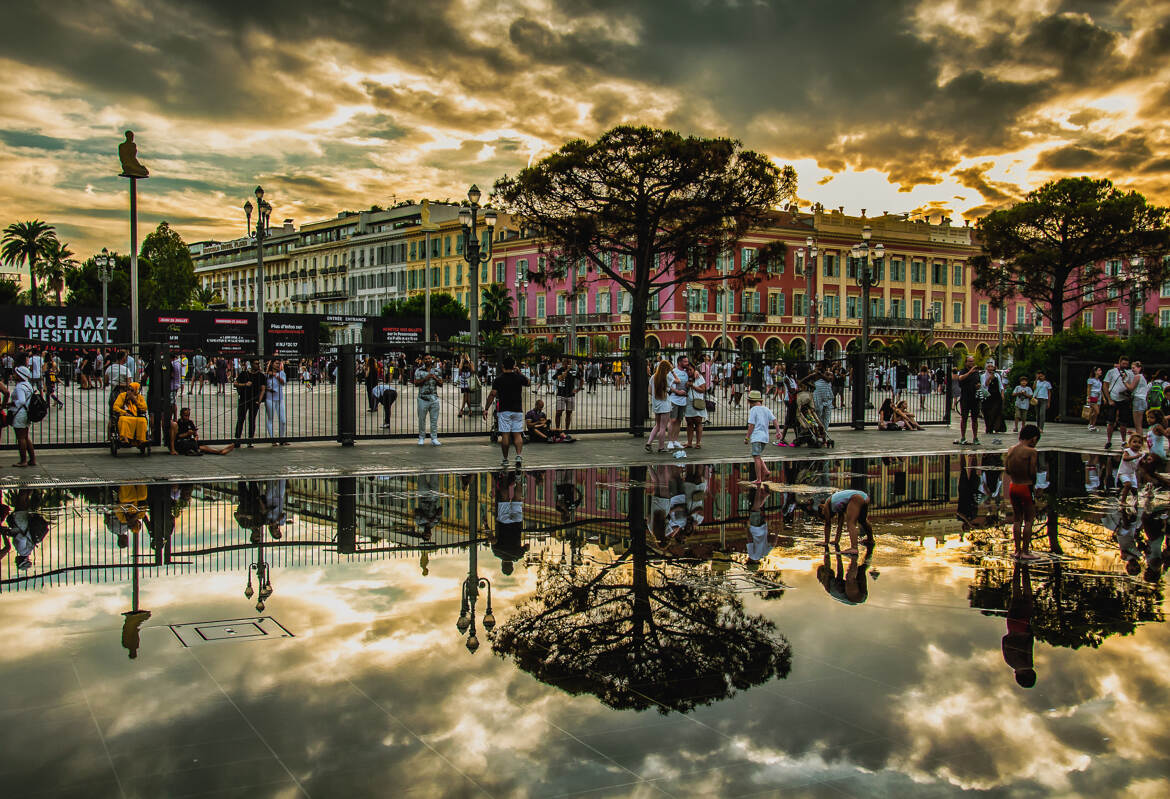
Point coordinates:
[(887, 105)]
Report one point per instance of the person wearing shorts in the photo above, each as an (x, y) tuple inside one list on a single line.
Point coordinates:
[(509, 386), (851, 509), (968, 382), (568, 384), (1021, 464)]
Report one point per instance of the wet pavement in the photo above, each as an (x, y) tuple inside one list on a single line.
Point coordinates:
[(621, 631)]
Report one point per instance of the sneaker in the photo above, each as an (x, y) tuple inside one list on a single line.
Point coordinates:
[(385, 427), (422, 440), (671, 445), (435, 441), (503, 463), (1108, 445), (519, 465)]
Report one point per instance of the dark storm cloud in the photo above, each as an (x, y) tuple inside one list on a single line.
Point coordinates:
[(1111, 157)]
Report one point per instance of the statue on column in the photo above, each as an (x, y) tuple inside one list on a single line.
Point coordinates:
[(128, 154)]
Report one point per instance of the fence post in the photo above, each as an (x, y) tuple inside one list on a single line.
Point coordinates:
[(757, 361), (638, 388), (346, 394), (950, 394), (346, 515), (860, 390), (159, 396)]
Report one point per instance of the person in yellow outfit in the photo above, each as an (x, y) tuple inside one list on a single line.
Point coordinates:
[(130, 408)]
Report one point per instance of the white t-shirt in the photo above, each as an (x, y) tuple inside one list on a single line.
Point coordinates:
[(760, 417), (1043, 387), (1023, 395), (1128, 468), (35, 365), (1094, 387), (1115, 380), (1142, 388)]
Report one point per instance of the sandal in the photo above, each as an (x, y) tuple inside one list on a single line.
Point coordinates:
[(648, 448), (962, 442)]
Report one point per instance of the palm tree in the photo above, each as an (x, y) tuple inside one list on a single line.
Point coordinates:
[(497, 304), (25, 243), (910, 345), (205, 298), (55, 261)]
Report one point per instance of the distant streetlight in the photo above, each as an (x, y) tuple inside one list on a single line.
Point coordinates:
[(867, 260), (104, 263), (810, 313), (469, 216), (263, 213)]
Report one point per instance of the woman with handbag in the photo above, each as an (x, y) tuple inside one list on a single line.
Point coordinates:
[(1093, 397), (696, 412)]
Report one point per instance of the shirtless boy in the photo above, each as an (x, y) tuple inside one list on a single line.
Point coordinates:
[(1020, 465)]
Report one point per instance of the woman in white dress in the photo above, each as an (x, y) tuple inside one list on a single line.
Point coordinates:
[(696, 417), (660, 405)]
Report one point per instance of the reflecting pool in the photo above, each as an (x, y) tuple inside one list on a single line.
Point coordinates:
[(646, 631)]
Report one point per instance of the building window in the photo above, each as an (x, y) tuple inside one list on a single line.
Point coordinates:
[(917, 272), (798, 268), (775, 303), (522, 268), (747, 259), (853, 306), (936, 309), (897, 270), (798, 305), (499, 271), (832, 265), (560, 305), (540, 305), (831, 306), (603, 302), (1020, 313), (957, 313), (982, 313), (1164, 317), (459, 274), (447, 275), (957, 274), (1087, 318), (413, 244), (897, 307), (483, 274), (1111, 319), (938, 273)]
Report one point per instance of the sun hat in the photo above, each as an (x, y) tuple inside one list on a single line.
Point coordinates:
[(755, 396)]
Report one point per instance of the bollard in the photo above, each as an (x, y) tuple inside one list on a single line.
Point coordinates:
[(860, 390), (346, 394)]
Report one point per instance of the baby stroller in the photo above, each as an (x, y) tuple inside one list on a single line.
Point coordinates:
[(810, 431)]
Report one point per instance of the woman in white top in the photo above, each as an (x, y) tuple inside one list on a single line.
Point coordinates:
[(1093, 396), (1139, 387), (660, 405), (696, 417)]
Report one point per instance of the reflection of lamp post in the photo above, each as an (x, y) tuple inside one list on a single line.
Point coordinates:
[(105, 273), (469, 216), (263, 212), (466, 622), (263, 580)]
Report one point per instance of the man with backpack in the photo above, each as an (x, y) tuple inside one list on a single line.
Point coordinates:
[(22, 398)]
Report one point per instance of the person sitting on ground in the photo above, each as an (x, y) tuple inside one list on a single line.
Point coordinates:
[(903, 414), (536, 421), (130, 409), (887, 419), (185, 438)]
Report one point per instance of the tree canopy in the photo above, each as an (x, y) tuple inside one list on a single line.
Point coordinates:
[(169, 277), (664, 204), (85, 289), (443, 306), (1050, 247), (26, 243)]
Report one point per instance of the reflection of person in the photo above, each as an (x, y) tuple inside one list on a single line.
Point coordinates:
[(128, 513), (568, 495), (275, 492), (428, 511), (850, 507), (509, 545), (131, 625), (968, 507), (1020, 465), (757, 527), (848, 584), (24, 529), (1017, 644)]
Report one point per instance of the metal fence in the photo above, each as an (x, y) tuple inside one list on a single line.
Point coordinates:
[(346, 393)]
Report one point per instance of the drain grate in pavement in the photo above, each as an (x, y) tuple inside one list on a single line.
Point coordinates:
[(208, 632)]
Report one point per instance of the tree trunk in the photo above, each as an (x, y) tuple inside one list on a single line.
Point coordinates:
[(1057, 301), (639, 385)]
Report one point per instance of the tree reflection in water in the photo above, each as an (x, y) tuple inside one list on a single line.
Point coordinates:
[(631, 636)]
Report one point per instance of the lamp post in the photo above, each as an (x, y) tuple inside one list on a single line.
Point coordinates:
[(865, 256), (428, 227), (723, 295), (810, 313), (263, 212), (104, 263), (1134, 296), (469, 216), (1002, 312), (263, 588), (521, 301), (571, 320)]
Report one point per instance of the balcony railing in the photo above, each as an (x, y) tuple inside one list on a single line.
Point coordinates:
[(302, 297), (331, 294), (900, 323), (1024, 328), (753, 318), (556, 320)]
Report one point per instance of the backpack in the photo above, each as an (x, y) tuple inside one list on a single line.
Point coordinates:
[(1156, 395), (38, 408)]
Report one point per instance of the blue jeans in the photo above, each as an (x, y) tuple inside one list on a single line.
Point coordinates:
[(275, 408), (428, 406)]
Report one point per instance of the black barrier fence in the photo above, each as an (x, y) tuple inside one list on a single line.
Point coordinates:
[(350, 392)]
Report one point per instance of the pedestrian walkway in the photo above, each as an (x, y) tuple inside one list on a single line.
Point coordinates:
[(468, 454)]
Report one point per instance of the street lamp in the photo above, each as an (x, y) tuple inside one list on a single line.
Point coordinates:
[(866, 257), (428, 227), (469, 596), (104, 264), (521, 300), (1134, 296), (263, 213), (469, 216), (810, 313), (263, 580)]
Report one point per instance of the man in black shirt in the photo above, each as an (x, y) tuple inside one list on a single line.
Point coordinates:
[(250, 393), (509, 387), (969, 401), (568, 384)]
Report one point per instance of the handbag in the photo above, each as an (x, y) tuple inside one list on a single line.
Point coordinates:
[(1087, 412), (1033, 402), (697, 402)]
